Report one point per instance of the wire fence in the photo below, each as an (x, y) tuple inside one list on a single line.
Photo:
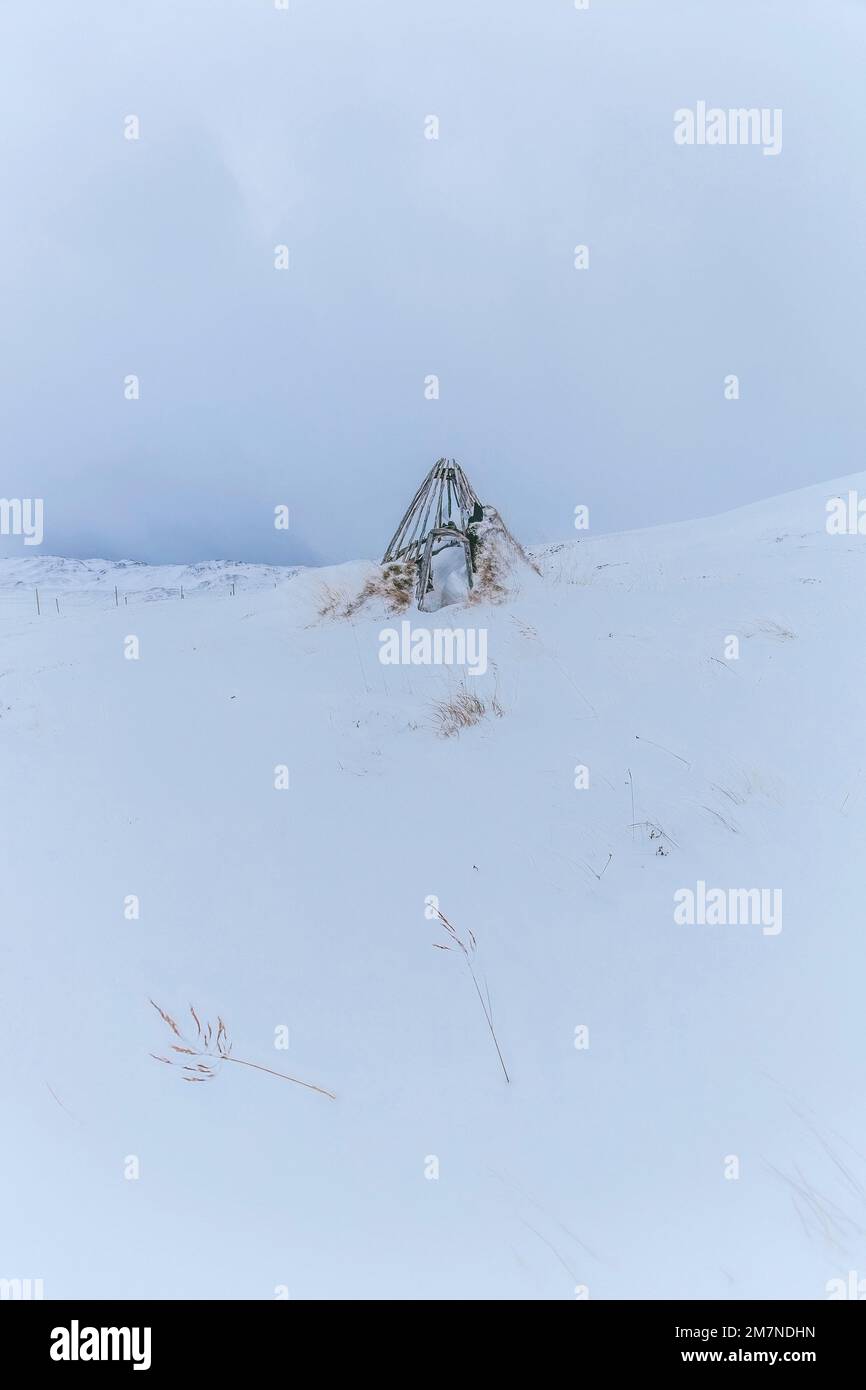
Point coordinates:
[(39, 601)]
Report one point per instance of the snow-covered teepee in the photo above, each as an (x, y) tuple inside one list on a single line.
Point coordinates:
[(445, 513), (440, 515)]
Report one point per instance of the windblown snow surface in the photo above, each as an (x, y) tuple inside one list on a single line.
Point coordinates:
[(606, 1168)]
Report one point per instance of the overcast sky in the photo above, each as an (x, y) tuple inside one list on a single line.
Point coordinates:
[(410, 257)]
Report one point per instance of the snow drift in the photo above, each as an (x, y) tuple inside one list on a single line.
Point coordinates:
[(684, 1116)]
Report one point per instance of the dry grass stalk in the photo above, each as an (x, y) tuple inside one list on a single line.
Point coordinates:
[(497, 555), (216, 1047), (394, 582), (461, 710), (329, 601), (468, 949), (490, 585)]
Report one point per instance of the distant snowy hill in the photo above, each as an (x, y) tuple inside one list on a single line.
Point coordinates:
[(661, 709), (94, 581)]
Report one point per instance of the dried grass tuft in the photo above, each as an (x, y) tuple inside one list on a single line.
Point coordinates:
[(394, 582), (461, 710), (490, 577), (330, 601), (216, 1049), (498, 556)]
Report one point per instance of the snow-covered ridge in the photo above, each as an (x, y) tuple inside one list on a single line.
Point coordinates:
[(95, 581), (796, 517), (668, 717)]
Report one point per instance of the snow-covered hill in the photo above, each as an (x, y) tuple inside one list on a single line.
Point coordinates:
[(685, 1114), (105, 582)]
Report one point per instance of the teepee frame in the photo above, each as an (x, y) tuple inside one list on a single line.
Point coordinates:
[(446, 498), (438, 516)]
